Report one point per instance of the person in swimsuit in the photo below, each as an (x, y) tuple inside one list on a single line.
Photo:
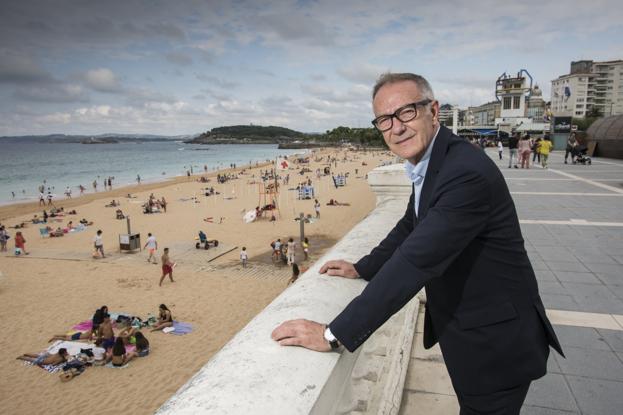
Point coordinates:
[(98, 318), (167, 266), (118, 357), (79, 335), (105, 333), (164, 320), (142, 345), (45, 358)]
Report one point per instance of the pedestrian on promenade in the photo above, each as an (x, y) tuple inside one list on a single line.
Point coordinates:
[(570, 148), (523, 147), (513, 140), (483, 306), (536, 152), (98, 244), (244, 257), (167, 266), (500, 149), (544, 150), (152, 247)]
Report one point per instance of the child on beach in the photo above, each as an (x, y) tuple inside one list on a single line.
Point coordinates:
[(167, 266), (306, 248), (98, 244), (152, 246), (244, 256), (20, 244)]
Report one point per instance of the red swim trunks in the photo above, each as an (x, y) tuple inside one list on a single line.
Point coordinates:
[(166, 269)]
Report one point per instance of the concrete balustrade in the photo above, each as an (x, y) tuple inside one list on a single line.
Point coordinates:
[(252, 374)]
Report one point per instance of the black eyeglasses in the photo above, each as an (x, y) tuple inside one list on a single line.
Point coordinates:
[(404, 114)]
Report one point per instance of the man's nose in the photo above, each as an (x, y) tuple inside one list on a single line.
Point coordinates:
[(398, 126)]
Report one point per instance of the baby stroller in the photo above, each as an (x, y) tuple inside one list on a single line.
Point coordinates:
[(579, 154)]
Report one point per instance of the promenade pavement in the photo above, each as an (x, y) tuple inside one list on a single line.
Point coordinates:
[(572, 222)]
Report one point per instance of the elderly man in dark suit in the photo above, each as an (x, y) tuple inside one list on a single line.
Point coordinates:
[(460, 239)]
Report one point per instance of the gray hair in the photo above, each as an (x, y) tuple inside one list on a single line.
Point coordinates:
[(389, 78)]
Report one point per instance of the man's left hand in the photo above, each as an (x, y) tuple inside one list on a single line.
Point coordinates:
[(304, 333)]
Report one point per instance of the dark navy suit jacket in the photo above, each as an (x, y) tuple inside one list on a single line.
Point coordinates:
[(465, 247)]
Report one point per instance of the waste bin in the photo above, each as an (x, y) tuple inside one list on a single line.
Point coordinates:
[(129, 242)]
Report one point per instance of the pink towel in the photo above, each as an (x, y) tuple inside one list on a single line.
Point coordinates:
[(84, 326)]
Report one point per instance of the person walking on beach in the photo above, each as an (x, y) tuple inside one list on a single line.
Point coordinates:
[(41, 199), (82, 189), (483, 305), (244, 257), (167, 266), (163, 203), (95, 185), (138, 179), (20, 244), (291, 251), (317, 208), (152, 246), (98, 244), (4, 237), (306, 248)]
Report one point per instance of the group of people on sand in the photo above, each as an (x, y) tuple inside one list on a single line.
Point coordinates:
[(103, 335), (155, 205)]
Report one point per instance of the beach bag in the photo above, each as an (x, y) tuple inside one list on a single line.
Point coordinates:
[(18, 251)]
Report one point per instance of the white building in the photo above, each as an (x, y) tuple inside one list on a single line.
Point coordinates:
[(589, 85), (520, 111)]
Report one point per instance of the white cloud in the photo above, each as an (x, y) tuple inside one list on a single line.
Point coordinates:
[(102, 80)]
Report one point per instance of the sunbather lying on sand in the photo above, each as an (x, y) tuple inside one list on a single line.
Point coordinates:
[(45, 358), (79, 335)]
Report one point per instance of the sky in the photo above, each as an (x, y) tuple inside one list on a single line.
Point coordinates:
[(184, 67)]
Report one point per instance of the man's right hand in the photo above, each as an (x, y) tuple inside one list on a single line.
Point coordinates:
[(339, 268)]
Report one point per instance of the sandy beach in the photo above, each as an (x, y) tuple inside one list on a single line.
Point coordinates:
[(60, 284)]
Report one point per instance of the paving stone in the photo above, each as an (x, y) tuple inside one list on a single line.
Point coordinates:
[(550, 287), (537, 410), (428, 376), (583, 337), (613, 338), (545, 275), (566, 266), (614, 269), (428, 403), (594, 298), (551, 391), (579, 277), (559, 301), (610, 279), (590, 363), (597, 397)]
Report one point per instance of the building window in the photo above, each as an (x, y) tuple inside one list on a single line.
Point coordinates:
[(516, 102), (579, 113), (580, 100), (579, 106), (507, 103)]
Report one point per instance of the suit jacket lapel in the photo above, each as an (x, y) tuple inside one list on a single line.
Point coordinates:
[(434, 165)]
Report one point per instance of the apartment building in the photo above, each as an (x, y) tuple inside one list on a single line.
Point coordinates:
[(589, 85)]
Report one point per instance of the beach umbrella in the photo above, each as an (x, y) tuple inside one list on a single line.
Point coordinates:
[(249, 216)]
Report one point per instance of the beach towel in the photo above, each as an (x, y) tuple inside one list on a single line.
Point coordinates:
[(74, 347), (180, 328), (47, 368), (86, 325)]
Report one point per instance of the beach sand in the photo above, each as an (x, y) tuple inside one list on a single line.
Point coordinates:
[(59, 284)]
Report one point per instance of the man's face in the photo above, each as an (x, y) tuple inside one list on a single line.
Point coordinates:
[(408, 140)]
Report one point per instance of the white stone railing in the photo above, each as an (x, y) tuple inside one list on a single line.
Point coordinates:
[(252, 374)]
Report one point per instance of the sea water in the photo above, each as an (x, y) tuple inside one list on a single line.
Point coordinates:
[(27, 164)]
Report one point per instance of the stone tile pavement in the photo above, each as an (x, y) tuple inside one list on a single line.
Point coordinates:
[(572, 222)]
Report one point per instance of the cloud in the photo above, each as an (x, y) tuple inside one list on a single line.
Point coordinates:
[(216, 81), (362, 73), (179, 58), (20, 69), (51, 93), (102, 80)]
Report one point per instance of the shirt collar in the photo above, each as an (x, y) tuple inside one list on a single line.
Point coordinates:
[(416, 172)]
